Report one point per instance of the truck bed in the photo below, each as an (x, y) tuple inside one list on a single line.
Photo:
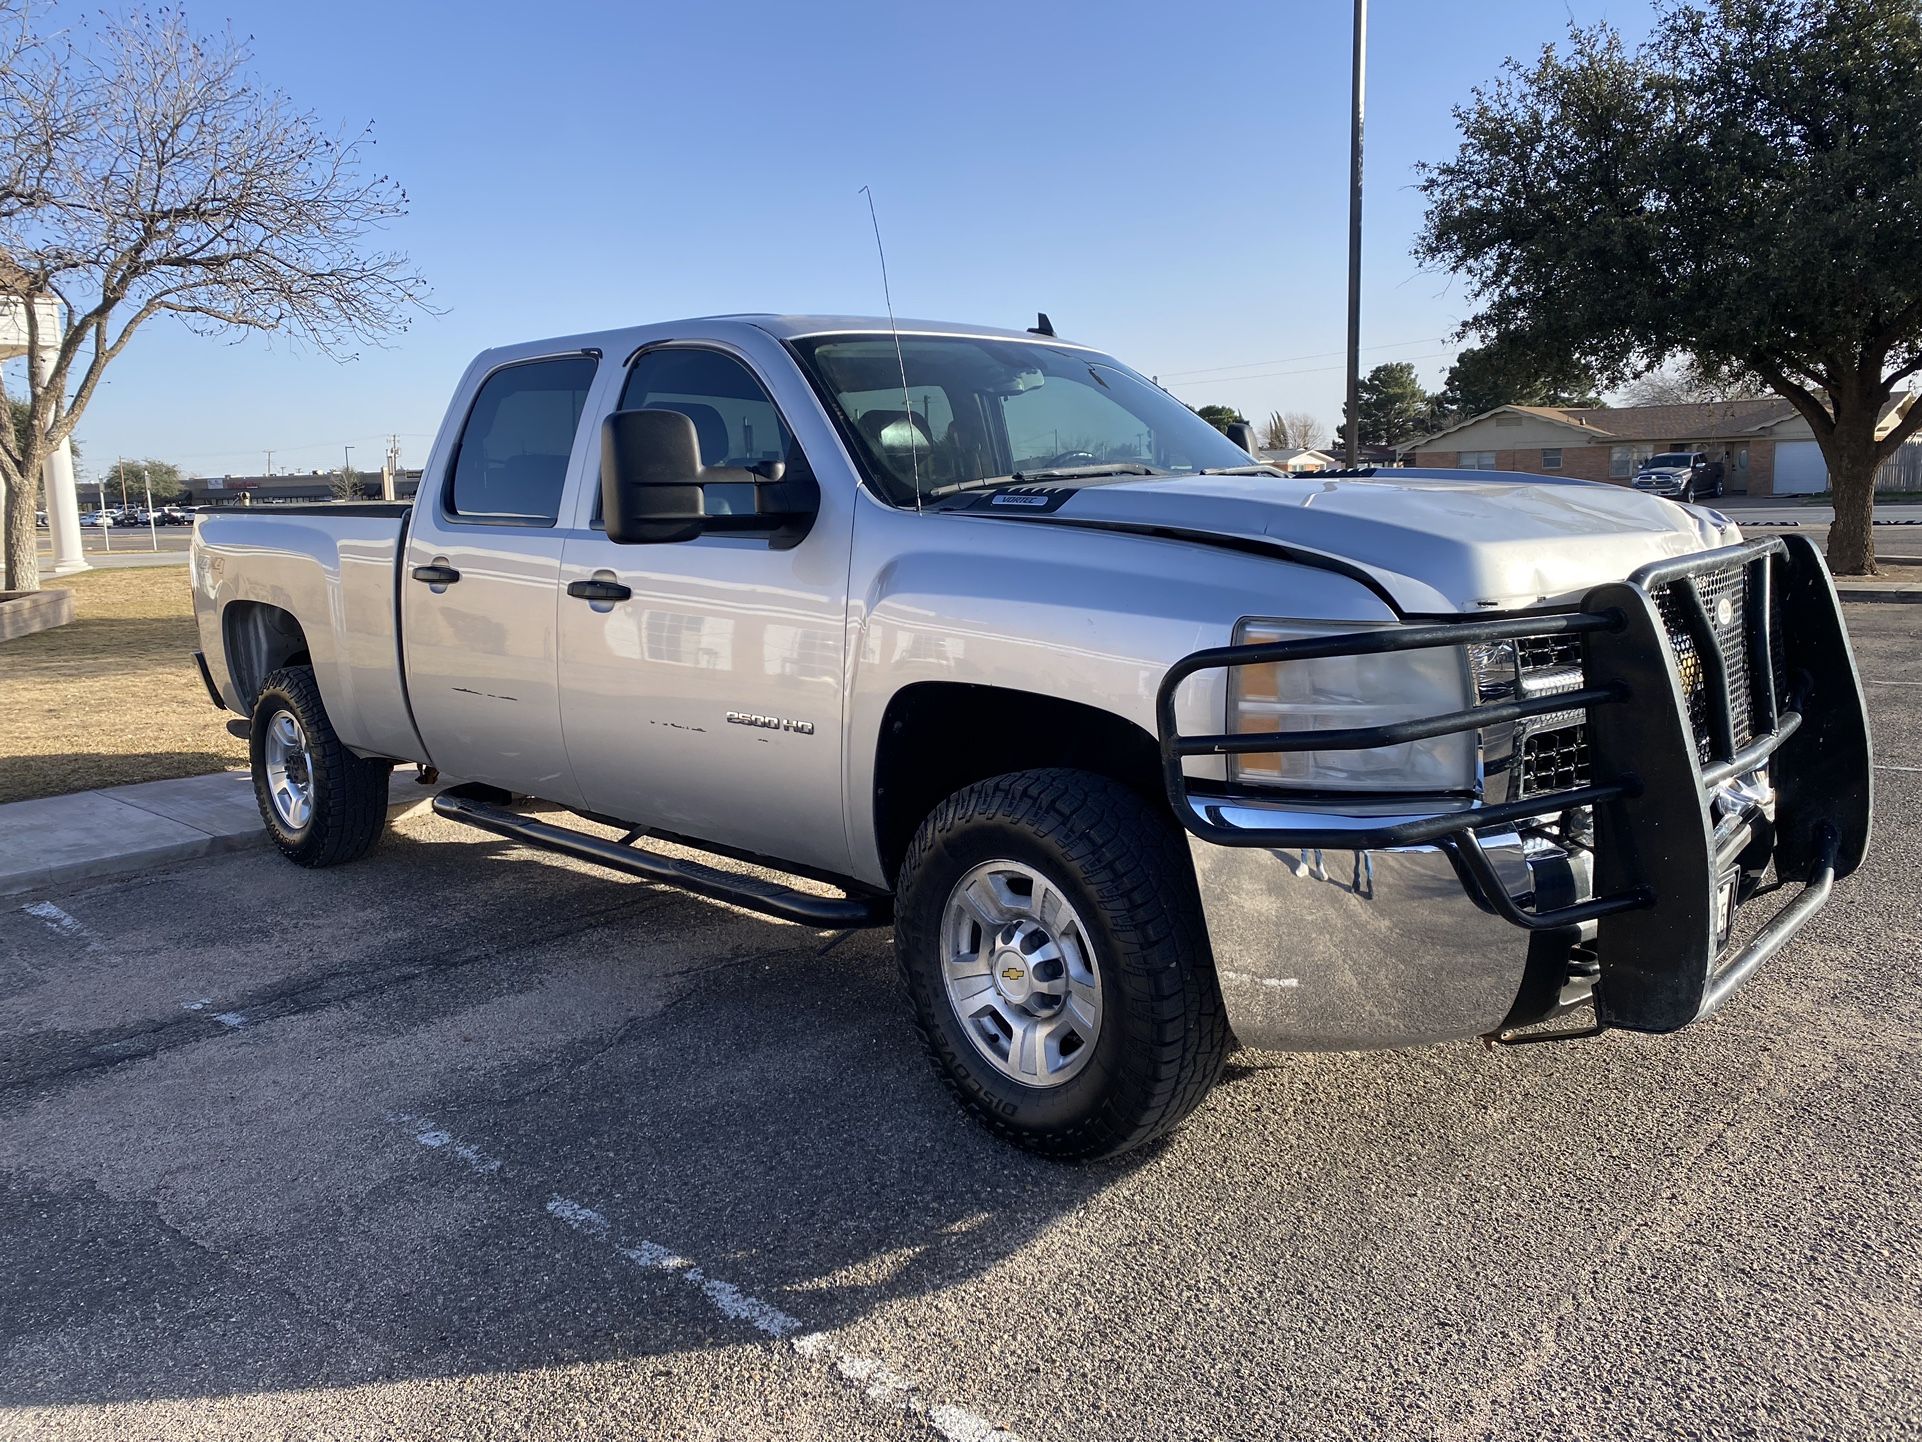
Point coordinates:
[(333, 565)]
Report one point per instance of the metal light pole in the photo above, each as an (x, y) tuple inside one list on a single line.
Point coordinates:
[(347, 466), (153, 533), (1354, 238)]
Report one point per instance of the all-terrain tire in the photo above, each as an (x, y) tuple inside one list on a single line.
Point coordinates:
[(346, 794), (1121, 865)]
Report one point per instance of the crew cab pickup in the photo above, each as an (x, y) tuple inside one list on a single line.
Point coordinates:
[(1142, 749)]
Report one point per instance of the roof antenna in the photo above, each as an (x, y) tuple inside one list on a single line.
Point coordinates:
[(914, 456), (1042, 325)]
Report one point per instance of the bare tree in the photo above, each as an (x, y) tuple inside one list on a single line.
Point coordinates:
[(148, 173), (1691, 384), (1304, 431)]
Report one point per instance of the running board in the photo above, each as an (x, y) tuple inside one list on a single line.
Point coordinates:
[(768, 897)]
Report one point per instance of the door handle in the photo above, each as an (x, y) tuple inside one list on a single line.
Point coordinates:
[(436, 575), (598, 591)]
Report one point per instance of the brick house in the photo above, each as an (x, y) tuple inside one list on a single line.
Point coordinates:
[(1765, 446)]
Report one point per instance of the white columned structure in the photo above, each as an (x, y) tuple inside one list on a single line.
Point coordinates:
[(63, 499)]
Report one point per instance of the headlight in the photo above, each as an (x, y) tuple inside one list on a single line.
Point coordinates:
[(1342, 692)]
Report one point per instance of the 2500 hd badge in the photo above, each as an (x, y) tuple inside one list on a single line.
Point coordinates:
[(770, 723)]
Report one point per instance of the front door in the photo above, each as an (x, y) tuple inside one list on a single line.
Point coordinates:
[(707, 702), (481, 580)]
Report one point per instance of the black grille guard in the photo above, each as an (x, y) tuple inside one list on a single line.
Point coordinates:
[(1657, 860)]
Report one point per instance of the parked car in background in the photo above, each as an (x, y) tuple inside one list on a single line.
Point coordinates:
[(175, 516), (1680, 475)]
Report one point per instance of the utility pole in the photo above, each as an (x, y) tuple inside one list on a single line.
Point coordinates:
[(270, 463), (1354, 238)]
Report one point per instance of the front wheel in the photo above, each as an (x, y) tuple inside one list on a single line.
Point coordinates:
[(1051, 941), (323, 805)]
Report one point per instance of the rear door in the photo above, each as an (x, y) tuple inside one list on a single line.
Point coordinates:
[(707, 702), (481, 578)]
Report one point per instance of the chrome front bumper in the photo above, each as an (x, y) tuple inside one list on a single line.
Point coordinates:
[(1345, 950), (1378, 930)]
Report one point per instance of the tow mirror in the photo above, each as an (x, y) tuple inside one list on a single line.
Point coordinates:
[(654, 487), (1243, 435)]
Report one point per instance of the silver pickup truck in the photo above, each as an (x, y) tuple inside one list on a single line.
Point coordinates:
[(1141, 748)]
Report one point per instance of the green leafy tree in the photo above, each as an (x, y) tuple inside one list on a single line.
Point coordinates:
[(1507, 374), (168, 482), (1742, 190), (1219, 416), (1394, 407)]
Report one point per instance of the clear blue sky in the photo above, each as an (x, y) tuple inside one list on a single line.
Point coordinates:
[(1167, 181)]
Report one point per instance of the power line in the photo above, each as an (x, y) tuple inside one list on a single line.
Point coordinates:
[(1291, 359), (1320, 370)]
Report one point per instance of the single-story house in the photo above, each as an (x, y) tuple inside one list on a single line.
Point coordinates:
[(1765, 446), (1296, 458)]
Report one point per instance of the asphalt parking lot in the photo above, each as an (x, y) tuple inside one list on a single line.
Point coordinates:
[(468, 1141)]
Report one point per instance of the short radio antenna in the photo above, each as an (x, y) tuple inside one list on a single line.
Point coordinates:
[(914, 457)]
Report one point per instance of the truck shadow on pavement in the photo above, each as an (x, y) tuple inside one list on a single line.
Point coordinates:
[(299, 1130)]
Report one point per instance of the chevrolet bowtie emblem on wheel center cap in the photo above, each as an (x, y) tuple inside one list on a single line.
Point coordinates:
[(1012, 973)]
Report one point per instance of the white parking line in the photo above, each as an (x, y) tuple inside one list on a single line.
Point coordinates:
[(1253, 980), (61, 922), (726, 1298), (876, 1381), (432, 1136)]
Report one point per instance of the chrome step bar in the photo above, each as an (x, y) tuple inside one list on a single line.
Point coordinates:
[(755, 893)]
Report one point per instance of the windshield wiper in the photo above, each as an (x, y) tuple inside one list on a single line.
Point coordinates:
[(1057, 473), (1100, 468)]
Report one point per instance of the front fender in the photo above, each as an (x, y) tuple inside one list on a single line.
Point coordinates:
[(1094, 617)]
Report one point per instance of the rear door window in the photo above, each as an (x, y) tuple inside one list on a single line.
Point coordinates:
[(514, 449)]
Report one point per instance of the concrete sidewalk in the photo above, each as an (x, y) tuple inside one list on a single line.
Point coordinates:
[(56, 840)]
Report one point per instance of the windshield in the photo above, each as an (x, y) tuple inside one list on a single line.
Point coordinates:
[(978, 411), (1669, 458)]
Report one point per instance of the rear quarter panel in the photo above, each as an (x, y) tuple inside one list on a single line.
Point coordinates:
[(337, 576)]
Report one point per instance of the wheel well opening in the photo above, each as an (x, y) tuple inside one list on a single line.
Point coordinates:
[(940, 736), (260, 639)]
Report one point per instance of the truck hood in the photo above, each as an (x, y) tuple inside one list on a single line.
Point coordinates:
[(1436, 543)]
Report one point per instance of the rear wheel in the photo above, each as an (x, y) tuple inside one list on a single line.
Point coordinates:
[(1051, 941), (322, 804)]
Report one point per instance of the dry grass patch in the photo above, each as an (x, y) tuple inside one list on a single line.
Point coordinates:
[(113, 696)]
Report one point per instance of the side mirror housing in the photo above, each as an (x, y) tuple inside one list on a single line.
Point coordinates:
[(1243, 435), (653, 486)]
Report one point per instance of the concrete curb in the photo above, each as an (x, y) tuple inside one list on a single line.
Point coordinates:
[(23, 613), (1883, 591), (87, 835)]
